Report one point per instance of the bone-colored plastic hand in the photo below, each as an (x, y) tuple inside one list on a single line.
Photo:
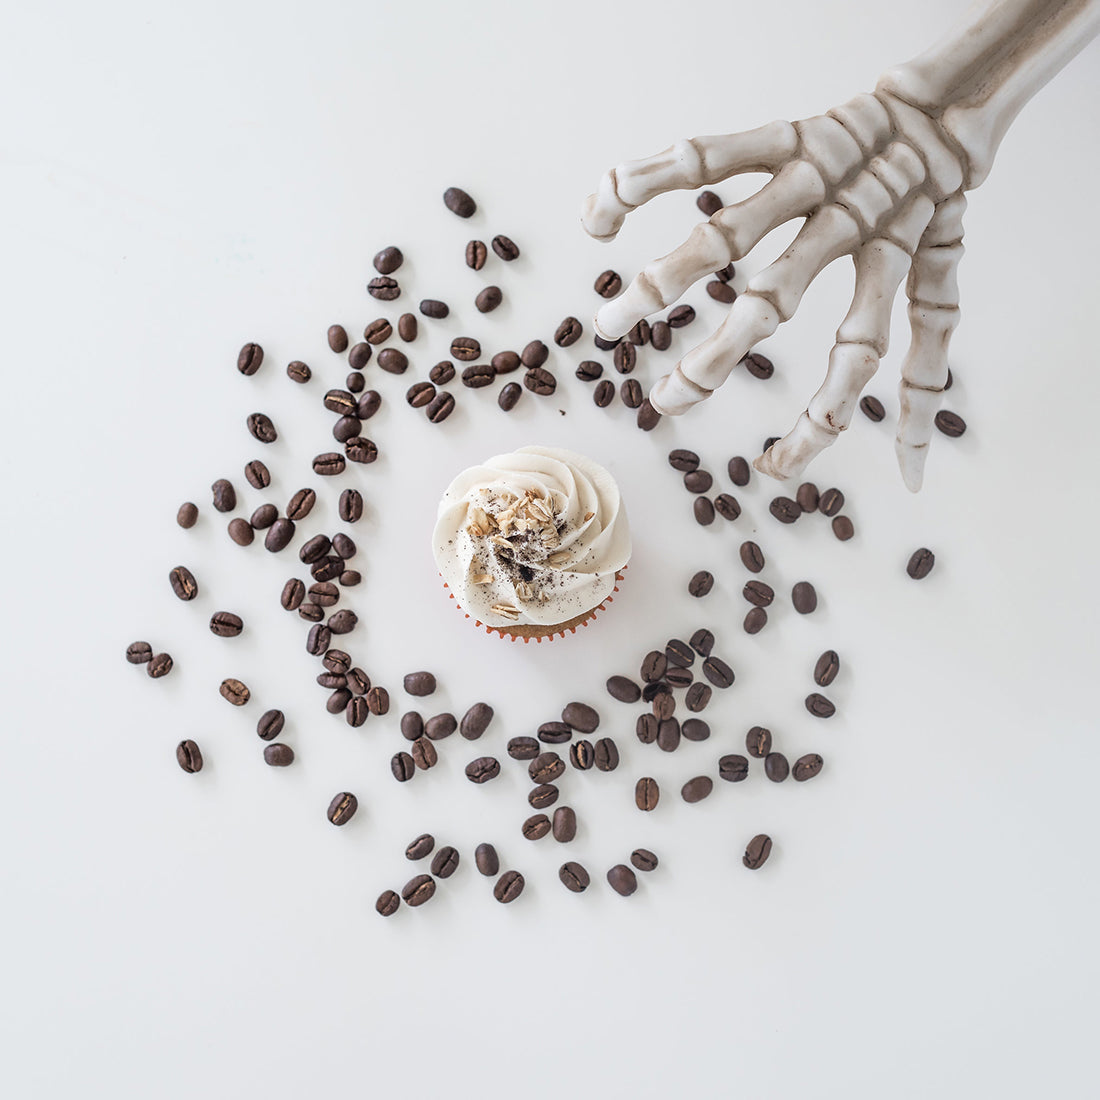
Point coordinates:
[(880, 179)]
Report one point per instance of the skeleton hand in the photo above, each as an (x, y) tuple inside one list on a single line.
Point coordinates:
[(880, 179)]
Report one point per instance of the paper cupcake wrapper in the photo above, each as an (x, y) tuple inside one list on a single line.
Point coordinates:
[(537, 633)]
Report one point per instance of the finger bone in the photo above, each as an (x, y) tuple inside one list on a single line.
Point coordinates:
[(789, 456), (866, 120), (880, 267), (828, 146), (604, 212), (927, 138), (851, 367), (899, 169)]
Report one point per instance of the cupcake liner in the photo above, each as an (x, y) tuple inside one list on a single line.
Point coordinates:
[(537, 633)]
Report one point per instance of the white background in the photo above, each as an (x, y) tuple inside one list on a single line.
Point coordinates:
[(176, 183)]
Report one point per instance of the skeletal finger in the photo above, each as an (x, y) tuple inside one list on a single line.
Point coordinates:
[(692, 162), (728, 235), (933, 291)]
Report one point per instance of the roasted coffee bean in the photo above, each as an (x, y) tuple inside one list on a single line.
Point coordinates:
[(738, 470), (407, 327), (819, 706), (625, 358), (277, 755), (331, 680), (603, 393), (546, 767), (261, 428), (539, 380), (668, 735), (785, 509), (440, 726), (224, 495), (631, 393), (337, 702), (369, 403), (726, 506), (412, 725), (830, 502), (534, 354), (298, 507), (643, 859), (225, 624), (418, 890), (653, 666), (324, 593), (589, 370), (581, 717), (828, 665), (355, 384), (708, 202), (523, 748), (568, 332), (804, 598), (458, 202), (679, 654), (378, 700), (420, 847), (475, 721), (646, 794), (384, 288), (582, 755), (294, 592), (478, 375), (564, 824), (476, 255), (622, 880), (360, 355), (241, 531), (445, 862), (388, 260), (639, 334), (950, 423), (336, 660), (843, 528), (573, 877), (726, 274), (776, 767), (605, 345), (872, 408), (342, 808), (419, 394), (465, 349), (695, 790), (250, 359), (718, 672), (648, 417), (757, 852), (318, 639), (183, 583), (536, 827), (950, 380), (755, 620), (424, 754), (327, 569), (606, 754), (701, 583), (337, 338), (362, 450), (542, 796), (270, 725), (695, 729), (419, 683), (344, 546), (733, 768), (920, 563), (758, 593), (698, 481), (509, 396), (388, 903), (664, 705), (703, 510), (256, 474), (807, 496), (187, 515), (702, 641), (315, 548), (680, 317), (505, 362), (139, 653), (393, 361), (441, 406), (660, 336), (758, 741), (759, 366), (488, 298), (505, 248), (697, 698), (555, 733), (263, 517), (378, 331), (608, 284), (486, 859), (623, 689), (679, 677), (189, 757), (402, 767), (435, 309), (684, 461), (721, 292), (329, 464), (806, 767), (508, 887), (442, 373)]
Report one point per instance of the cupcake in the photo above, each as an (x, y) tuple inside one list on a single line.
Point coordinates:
[(532, 543)]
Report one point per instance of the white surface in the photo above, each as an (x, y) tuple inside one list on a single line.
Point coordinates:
[(175, 184)]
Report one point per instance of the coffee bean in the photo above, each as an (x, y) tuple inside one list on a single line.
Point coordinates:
[(664, 705), (785, 509), (277, 755), (465, 349), (482, 769), (625, 358), (582, 755), (536, 827), (355, 384), (776, 767), (440, 726), (623, 689), (225, 624), (804, 598), (546, 767), (718, 672), (378, 331), (819, 706), (589, 370), (424, 753), (234, 691), (476, 255), (344, 546), (393, 361), (698, 697), (318, 639), (263, 517), (541, 381), (337, 702), (358, 682), (758, 741), (653, 666), (336, 660), (337, 338), (478, 375), (388, 903), (505, 248), (329, 464), (183, 583), (758, 593), (224, 495), (486, 859), (384, 288), (648, 417), (708, 202), (701, 583), (757, 852), (534, 354), (332, 681), (872, 408), (738, 470), (508, 887), (342, 808), (581, 717), (726, 506), (402, 767), (189, 757), (509, 396), (703, 510), (604, 393), (445, 862), (359, 356), (843, 528), (631, 393), (721, 292), (435, 309), (250, 359), (605, 754), (951, 424), (388, 260), (639, 335), (419, 683), (608, 284), (807, 496), (315, 548), (270, 725), (139, 653), (679, 677), (362, 450), (475, 721), (555, 733), (680, 317), (298, 507), (261, 428), (695, 790), (759, 366), (698, 481), (458, 202), (827, 667), (187, 515), (294, 592), (420, 394), (378, 699), (950, 380), (622, 880), (806, 767), (684, 461), (568, 332), (327, 569), (412, 725), (523, 748), (241, 531), (830, 502), (733, 768), (702, 641), (920, 563), (369, 403), (755, 620), (668, 734), (418, 890), (660, 336), (564, 824), (573, 877), (646, 794), (440, 407)]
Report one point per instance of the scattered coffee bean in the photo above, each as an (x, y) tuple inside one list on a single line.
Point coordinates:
[(668, 734), (225, 624), (378, 331), (708, 202), (315, 548), (440, 407), (440, 726), (458, 202), (739, 470), (653, 666), (757, 852), (509, 396), (445, 862), (819, 706), (534, 354), (189, 757), (393, 361), (139, 653), (329, 464), (541, 381), (160, 664), (328, 568), (388, 260), (418, 890), (568, 332), (241, 531), (727, 507), (344, 546), (523, 748), (505, 362), (726, 274), (758, 593), (555, 733), (342, 808), (508, 887), (488, 299), (294, 592), (703, 510), (646, 794), (546, 767), (337, 702), (298, 507), (604, 393), (486, 859), (827, 667), (378, 700), (718, 672), (648, 417), (806, 767), (759, 366), (384, 288), (872, 408), (622, 880), (702, 641), (950, 423), (465, 349), (565, 824), (412, 725), (697, 698), (776, 767), (187, 515), (337, 338), (589, 370), (369, 403), (830, 502), (660, 336), (359, 357), (843, 528), (270, 725), (807, 496), (681, 316), (582, 755), (250, 359), (684, 461), (698, 481), (183, 583), (608, 284), (581, 717), (263, 517), (701, 583), (420, 847), (483, 769), (721, 292), (388, 903), (336, 660), (261, 428), (478, 375), (758, 742), (664, 705), (755, 620), (402, 767), (623, 689), (419, 683), (770, 442), (695, 790), (419, 394), (624, 358), (277, 755), (785, 509), (920, 563), (631, 393), (475, 721), (573, 877), (224, 495), (804, 598), (505, 248), (435, 309), (606, 755), (318, 639), (733, 768), (639, 334)]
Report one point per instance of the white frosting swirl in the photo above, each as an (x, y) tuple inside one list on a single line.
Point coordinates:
[(532, 537)]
